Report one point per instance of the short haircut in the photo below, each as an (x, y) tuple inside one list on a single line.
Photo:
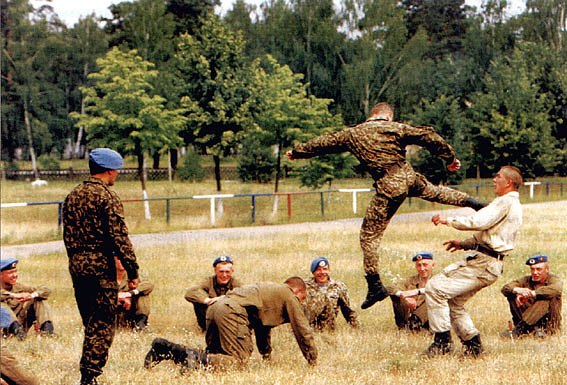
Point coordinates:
[(513, 174), (382, 109), (95, 169), (296, 283)]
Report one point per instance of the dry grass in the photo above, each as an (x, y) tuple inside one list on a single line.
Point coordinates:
[(376, 353)]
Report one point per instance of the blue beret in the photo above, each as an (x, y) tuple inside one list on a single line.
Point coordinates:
[(8, 264), (224, 258), (422, 255), (5, 317), (319, 262), (539, 258), (106, 158)]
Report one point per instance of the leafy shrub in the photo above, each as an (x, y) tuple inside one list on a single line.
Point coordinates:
[(191, 169), (47, 162), (256, 162)]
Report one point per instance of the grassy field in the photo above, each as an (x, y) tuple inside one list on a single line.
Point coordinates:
[(375, 353), (31, 224)]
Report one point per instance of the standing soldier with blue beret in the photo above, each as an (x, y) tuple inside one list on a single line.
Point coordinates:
[(535, 300), (379, 144), (325, 297), (94, 232), (408, 296), (212, 287)]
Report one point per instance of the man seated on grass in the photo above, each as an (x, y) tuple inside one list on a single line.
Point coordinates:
[(133, 304), (325, 297), (408, 296), (212, 287), (535, 300), (27, 304), (230, 321)]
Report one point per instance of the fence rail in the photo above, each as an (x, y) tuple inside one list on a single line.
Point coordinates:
[(215, 199)]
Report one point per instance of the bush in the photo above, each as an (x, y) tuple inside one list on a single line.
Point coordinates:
[(256, 162), (191, 169), (47, 162)]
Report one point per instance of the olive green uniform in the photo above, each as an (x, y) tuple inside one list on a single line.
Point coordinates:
[(140, 305), (322, 304), (543, 310), (207, 288), (259, 307), (402, 312), (30, 311), (380, 147), (12, 372), (94, 232)]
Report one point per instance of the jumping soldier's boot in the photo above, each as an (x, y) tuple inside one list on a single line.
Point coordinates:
[(141, 322), (46, 328), (442, 344), (473, 347), (376, 291), (474, 204)]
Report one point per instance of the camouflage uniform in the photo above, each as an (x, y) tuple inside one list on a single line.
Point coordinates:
[(404, 317), (379, 146), (322, 304), (30, 311), (544, 310), (140, 305), (208, 288), (94, 232), (261, 307)]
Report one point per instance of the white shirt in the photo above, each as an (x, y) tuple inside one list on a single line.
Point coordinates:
[(497, 224)]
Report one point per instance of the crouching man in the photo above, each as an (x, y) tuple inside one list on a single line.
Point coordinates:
[(231, 320), (535, 300)]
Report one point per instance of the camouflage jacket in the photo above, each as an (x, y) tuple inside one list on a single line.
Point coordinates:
[(209, 288), (94, 231), (380, 147), (334, 295)]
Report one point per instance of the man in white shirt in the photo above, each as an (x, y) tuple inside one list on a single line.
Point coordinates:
[(496, 227)]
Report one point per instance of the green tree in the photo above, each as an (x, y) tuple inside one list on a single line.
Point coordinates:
[(122, 113), (326, 169), (212, 76)]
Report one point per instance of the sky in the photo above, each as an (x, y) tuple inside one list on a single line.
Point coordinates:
[(71, 10)]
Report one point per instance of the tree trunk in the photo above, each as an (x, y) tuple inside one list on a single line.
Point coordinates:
[(156, 157), (219, 205), (27, 122), (277, 183), (142, 175)]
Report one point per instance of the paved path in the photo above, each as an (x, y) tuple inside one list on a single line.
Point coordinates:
[(145, 240)]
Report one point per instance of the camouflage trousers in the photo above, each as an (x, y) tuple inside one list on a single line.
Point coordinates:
[(382, 208), (97, 306), (545, 313)]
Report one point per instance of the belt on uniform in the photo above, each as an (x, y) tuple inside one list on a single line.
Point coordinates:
[(491, 253)]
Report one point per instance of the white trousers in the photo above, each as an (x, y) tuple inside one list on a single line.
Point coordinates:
[(447, 292)]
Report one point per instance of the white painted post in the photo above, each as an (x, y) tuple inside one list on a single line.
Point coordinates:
[(532, 184), (211, 199), (354, 192)]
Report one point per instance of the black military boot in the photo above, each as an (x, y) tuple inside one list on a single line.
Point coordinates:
[(161, 350), (376, 291), (88, 378), (15, 329), (474, 204), (46, 328), (473, 347), (442, 344), (141, 322), (414, 323)]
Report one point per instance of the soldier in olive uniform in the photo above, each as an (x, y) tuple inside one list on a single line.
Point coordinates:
[(94, 232), (325, 297), (11, 372), (27, 304), (379, 144), (133, 304), (408, 299), (535, 300), (208, 291), (231, 319)]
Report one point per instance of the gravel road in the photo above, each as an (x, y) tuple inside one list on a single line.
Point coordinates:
[(144, 240)]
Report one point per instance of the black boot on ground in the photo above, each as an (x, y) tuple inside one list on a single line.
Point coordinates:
[(442, 344), (376, 291), (163, 349), (88, 378), (15, 329), (46, 328), (141, 323), (474, 204), (473, 347)]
